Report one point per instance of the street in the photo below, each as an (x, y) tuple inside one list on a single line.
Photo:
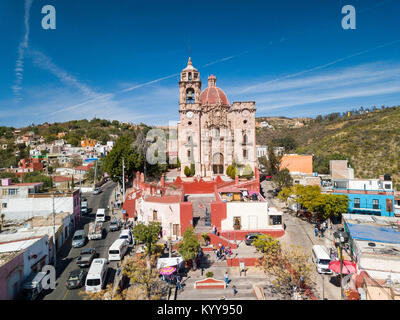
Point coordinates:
[(67, 255), (301, 233)]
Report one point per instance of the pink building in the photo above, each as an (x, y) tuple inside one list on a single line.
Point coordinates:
[(11, 274)]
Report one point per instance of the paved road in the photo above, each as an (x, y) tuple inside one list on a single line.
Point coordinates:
[(67, 255), (301, 233)]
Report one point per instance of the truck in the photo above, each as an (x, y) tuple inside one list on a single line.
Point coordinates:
[(33, 286), (95, 230)]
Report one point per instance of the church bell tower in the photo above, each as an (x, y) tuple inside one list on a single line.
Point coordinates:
[(189, 128)]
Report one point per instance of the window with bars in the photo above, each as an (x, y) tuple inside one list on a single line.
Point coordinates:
[(356, 202), (375, 204)]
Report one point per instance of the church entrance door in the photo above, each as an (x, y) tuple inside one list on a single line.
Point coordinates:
[(218, 163)]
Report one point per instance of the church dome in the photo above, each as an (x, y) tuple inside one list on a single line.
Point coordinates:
[(212, 95)]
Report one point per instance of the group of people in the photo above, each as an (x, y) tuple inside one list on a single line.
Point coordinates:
[(222, 251), (173, 279), (320, 229)]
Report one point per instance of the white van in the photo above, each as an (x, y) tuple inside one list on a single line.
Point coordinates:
[(95, 279), (117, 250), (321, 259), (101, 215)]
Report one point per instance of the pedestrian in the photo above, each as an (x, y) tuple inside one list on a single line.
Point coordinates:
[(234, 290), (322, 232), (223, 248), (230, 251), (316, 231), (219, 245), (178, 284), (226, 277)]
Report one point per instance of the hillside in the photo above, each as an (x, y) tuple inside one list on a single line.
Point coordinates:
[(371, 141)]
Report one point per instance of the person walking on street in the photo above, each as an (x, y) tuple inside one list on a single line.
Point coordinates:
[(234, 290), (316, 231), (226, 277), (178, 284)]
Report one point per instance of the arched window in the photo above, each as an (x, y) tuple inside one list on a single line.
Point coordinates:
[(190, 95), (216, 133), (245, 139), (190, 76)]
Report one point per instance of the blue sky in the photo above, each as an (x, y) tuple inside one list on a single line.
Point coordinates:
[(121, 59)]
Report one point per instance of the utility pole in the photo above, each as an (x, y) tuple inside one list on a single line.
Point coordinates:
[(54, 234), (95, 174), (123, 180)]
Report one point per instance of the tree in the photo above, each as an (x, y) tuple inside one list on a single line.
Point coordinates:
[(144, 279), (267, 245), (72, 183), (273, 163), (247, 172), (288, 143), (286, 267), (36, 176), (282, 179), (335, 205), (123, 149), (309, 197), (190, 245), (231, 171), (147, 234), (187, 171), (285, 194)]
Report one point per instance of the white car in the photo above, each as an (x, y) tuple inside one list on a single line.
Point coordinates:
[(127, 235), (96, 191)]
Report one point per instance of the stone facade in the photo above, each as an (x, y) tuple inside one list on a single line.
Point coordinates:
[(212, 133)]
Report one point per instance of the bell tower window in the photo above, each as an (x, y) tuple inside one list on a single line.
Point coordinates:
[(190, 76), (190, 95)]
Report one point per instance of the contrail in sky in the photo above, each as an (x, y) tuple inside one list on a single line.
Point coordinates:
[(323, 66), (19, 67)]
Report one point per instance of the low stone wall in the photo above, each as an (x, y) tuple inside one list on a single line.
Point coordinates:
[(210, 283)]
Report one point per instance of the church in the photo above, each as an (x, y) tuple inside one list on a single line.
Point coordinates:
[(212, 132)]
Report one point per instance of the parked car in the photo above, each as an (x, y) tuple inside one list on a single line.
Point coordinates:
[(86, 257), (79, 239), (76, 279), (250, 237), (115, 225), (127, 235), (96, 191)]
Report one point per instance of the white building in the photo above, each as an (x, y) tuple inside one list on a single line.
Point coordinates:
[(363, 184), (262, 151), (166, 210)]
